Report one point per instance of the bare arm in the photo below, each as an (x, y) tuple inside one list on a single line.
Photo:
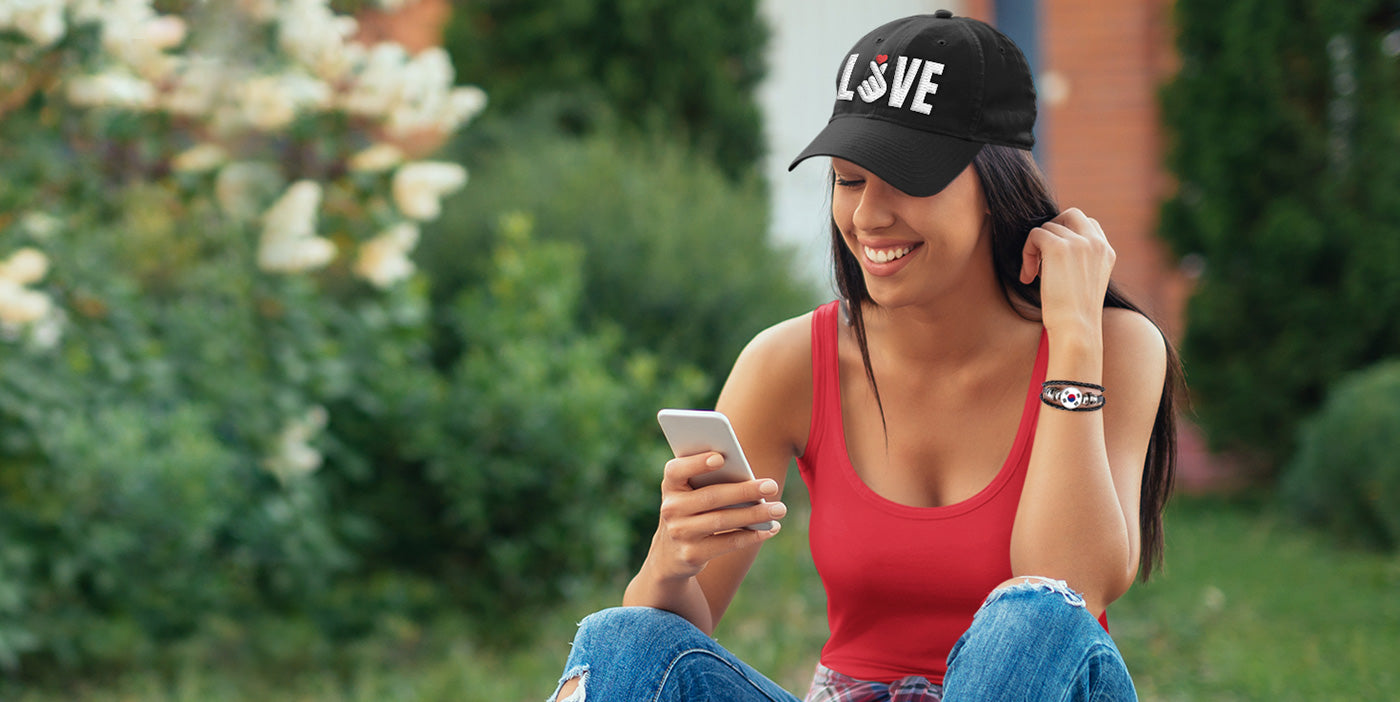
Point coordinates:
[(699, 555), (1078, 515)]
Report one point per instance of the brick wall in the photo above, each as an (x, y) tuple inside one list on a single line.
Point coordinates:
[(416, 27), (1102, 63)]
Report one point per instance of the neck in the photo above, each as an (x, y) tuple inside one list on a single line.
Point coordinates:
[(954, 333)]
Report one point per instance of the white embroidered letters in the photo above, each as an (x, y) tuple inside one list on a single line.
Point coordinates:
[(926, 87), (904, 72), (843, 92), (874, 85)]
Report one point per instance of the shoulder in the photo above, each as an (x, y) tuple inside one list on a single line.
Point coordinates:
[(780, 356), (1133, 342), (1135, 366), (769, 389)]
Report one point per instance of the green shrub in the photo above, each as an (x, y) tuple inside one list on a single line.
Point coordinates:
[(1346, 474), (1283, 140), (548, 459), (675, 255), (684, 67)]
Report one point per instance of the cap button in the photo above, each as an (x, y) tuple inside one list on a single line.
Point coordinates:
[(943, 14)]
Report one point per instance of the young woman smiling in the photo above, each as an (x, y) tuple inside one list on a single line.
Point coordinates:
[(983, 422)]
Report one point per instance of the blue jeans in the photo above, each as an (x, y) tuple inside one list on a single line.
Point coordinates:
[(1030, 641)]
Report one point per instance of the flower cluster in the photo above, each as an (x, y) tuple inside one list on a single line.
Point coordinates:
[(292, 455), (23, 308), (240, 78), (19, 304)]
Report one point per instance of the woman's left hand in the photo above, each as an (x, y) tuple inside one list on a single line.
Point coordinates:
[(1074, 260)]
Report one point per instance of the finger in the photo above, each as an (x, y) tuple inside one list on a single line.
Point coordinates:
[(679, 471), (1071, 217), (1058, 230), (725, 494), (1033, 253), (697, 528), (1030, 265)]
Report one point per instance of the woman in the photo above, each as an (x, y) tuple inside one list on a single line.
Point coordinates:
[(978, 497)]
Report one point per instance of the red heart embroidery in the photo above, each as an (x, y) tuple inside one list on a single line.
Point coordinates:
[(882, 58)]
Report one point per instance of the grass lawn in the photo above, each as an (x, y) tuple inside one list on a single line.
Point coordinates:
[(1248, 608)]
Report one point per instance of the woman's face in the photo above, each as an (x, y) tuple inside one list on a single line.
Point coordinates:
[(912, 249)]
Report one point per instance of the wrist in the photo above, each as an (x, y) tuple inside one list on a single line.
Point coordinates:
[(1076, 353)]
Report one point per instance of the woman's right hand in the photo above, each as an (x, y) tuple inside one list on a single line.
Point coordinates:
[(696, 528)]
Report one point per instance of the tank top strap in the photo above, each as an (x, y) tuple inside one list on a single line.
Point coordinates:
[(826, 381)]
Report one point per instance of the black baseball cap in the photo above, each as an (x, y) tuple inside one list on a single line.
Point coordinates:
[(917, 98)]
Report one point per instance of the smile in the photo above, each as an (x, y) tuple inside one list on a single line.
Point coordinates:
[(887, 255)]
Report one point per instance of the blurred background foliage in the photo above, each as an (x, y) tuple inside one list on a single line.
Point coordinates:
[(193, 444), (1285, 123), (671, 67)]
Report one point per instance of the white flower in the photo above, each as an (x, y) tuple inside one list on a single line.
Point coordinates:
[(39, 20), (314, 35), (25, 266), (378, 81), (134, 34), (418, 187), (377, 158), (466, 102), (426, 85), (40, 225), (383, 260), (20, 305), (271, 102), (165, 32), (292, 455), (289, 243), (46, 332), (112, 89), (200, 158)]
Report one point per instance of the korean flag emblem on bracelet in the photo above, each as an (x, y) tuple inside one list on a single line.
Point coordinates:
[(1072, 396)]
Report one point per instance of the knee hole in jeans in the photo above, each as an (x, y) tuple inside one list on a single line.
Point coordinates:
[(571, 688)]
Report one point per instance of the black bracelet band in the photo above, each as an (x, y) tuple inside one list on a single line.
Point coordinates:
[(1072, 396)]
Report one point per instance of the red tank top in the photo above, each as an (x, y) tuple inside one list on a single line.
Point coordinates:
[(902, 582)]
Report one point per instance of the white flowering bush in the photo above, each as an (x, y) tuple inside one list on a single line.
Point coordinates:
[(233, 385), (212, 324)]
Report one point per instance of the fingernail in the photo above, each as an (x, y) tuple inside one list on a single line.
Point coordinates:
[(715, 460), (777, 509), (768, 487)]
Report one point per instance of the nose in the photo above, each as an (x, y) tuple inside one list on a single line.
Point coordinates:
[(876, 207)]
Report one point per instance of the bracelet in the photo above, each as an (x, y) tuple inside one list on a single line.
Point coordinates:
[(1072, 396)]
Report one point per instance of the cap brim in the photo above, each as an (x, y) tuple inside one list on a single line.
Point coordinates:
[(916, 162)]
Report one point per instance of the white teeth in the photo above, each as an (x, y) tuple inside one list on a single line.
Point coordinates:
[(886, 255)]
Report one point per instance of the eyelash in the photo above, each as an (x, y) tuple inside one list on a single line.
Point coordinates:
[(842, 182)]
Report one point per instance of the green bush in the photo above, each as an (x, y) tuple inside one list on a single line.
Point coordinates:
[(1346, 474), (675, 255), (195, 443), (548, 458), (682, 67), (1283, 140)]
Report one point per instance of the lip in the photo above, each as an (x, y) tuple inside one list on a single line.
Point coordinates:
[(887, 268)]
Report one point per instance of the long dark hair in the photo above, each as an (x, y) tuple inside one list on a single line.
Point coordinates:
[(1019, 200)]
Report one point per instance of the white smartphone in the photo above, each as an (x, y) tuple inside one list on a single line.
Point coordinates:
[(696, 431)]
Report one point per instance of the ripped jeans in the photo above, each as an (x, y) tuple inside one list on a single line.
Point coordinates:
[(1028, 641)]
